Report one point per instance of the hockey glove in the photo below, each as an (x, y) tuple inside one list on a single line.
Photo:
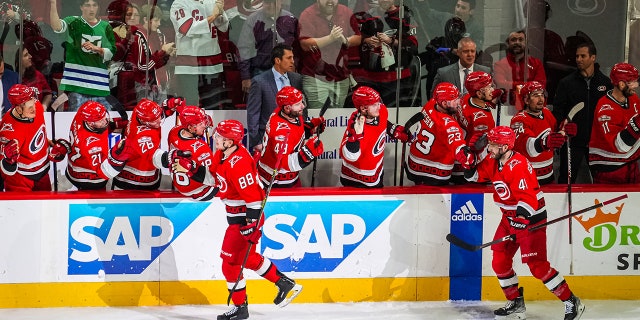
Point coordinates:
[(466, 158), (59, 150), (633, 128), (11, 152), (315, 125), (355, 128), (184, 165), (478, 142), (553, 140), (398, 132), (251, 232), (569, 128), (120, 154), (310, 150), (518, 224), (171, 105), (118, 123)]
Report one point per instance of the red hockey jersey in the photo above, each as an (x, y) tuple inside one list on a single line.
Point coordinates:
[(528, 129), (141, 172), (474, 119), (88, 151)]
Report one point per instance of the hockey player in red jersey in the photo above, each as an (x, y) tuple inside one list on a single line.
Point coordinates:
[(27, 151), (302, 146), (536, 132), (439, 141), (240, 190), (89, 137), (362, 146), (518, 194), (615, 134)]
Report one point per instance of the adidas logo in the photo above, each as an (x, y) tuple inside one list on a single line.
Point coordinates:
[(467, 212)]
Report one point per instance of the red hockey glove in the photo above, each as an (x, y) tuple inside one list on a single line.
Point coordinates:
[(553, 140), (118, 123), (569, 128), (170, 105), (184, 165), (399, 133), (11, 151), (316, 125), (478, 142), (121, 153), (59, 150), (518, 224), (633, 127), (251, 232), (466, 158), (310, 150)]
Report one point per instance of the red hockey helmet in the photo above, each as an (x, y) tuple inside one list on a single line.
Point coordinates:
[(477, 80), (365, 96), (445, 91), (623, 72), (502, 135), (529, 88), (231, 129), (193, 115), (148, 111), (288, 96), (19, 94), (92, 111), (31, 29)]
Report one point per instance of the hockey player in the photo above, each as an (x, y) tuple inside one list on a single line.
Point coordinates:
[(89, 137), (302, 146), (240, 190), (25, 164), (536, 134), (518, 195), (362, 146), (440, 140), (475, 116), (613, 148)]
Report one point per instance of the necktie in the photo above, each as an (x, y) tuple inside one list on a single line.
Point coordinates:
[(466, 73)]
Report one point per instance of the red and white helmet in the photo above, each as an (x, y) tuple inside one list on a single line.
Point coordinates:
[(231, 129), (623, 72), (365, 96), (502, 135), (529, 88), (477, 80), (148, 111), (193, 115), (19, 94), (445, 91), (288, 96), (92, 111)]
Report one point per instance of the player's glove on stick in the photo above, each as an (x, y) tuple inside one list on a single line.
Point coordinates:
[(310, 150), (59, 150), (569, 128), (553, 140), (251, 232), (399, 133), (315, 125)]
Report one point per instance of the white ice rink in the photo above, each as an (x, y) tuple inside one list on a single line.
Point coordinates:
[(595, 309)]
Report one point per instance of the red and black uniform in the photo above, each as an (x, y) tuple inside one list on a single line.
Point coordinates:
[(530, 130), (432, 152), (242, 195), (31, 172), (141, 172), (613, 154), (201, 186), (88, 150), (518, 194)]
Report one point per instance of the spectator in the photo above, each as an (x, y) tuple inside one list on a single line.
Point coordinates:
[(511, 72), (9, 79), (33, 78), (362, 146), (39, 47), (433, 20), (379, 49), (199, 59), (150, 28), (264, 88), (440, 140), (615, 134), (287, 121), (261, 32), (90, 45), (587, 84), (327, 30), (536, 134), (457, 72)]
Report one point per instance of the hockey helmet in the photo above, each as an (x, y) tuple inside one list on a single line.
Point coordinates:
[(365, 96), (31, 29), (502, 135), (148, 111), (623, 72), (529, 88), (19, 94), (476, 81), (288, 96), (231, 129), (193, 115), (445, 91), (92, 111)]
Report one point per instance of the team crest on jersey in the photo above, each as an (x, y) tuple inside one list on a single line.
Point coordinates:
[(222, 183), (378, 148), (479, 115), (38, 141), (234, 160), (282, 125), (513, 163), (196, 145), (7, 127), (502, 190), (602, 88), (447, 120), (606, 107), (91, 140), (142, 128)]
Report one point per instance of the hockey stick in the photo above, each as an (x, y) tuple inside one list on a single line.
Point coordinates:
[(470, 247), (570, 116), (264, 202), (116, 105), (410, 123), (53, 138), (325, 106)]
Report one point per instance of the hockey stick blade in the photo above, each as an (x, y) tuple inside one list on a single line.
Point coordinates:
[(470, 247), (575, 110)]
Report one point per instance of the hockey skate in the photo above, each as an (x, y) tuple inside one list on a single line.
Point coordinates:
[(236, 313), (287, 291), (514, 309), (573, 308)]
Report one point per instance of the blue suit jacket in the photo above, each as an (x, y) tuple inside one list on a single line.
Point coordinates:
[(262, 101), (9, 78)]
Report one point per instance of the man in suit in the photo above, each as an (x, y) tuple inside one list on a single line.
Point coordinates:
[(457, 72), (9, 78), (262, 93)]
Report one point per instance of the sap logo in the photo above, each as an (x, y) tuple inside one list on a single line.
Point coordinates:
[(319, 236), (124, 238)]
